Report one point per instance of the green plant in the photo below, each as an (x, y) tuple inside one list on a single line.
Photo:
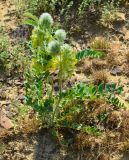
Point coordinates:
[(109, 13), (34, 6), (86, 3), (4, 44), (50, 54), (12, 57)]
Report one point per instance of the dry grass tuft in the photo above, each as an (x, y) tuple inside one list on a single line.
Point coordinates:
[(112, 60), (100, 44), (84, 140), (126, 69), (104, 157), (30, 125), (27, 121), (114, 120), (125, 124), (87, 68), (100, 77), (92, 110), (99, 64)]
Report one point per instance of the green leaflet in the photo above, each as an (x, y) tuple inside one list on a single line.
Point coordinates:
[(31, 16), (33, 20), (30, 22), (89, 53)]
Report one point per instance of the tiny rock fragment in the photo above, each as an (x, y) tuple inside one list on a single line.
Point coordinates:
[(5, 122), (103, 157), (120, 16), (116, 71), (127, 99)]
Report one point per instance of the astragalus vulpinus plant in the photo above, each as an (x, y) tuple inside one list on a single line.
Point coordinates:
[(50, 54)]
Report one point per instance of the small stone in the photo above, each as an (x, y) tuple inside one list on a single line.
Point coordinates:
[(78, 71), (69, 84), (87, 81), (121, 38), (79, 41), (120, 16), (56, 87), (116, 71), (21, 97), (6, 122), (2, 80), (127, 99), (5, 102), (18, 83)]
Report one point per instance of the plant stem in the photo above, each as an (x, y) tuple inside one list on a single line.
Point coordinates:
[(60, 76), (60, 90)]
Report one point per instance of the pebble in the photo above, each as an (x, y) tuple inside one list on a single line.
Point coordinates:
[(56, 87), (127, 99), (5, 102), (78, 71), (18, 83), (116, 71), (21, 97)]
